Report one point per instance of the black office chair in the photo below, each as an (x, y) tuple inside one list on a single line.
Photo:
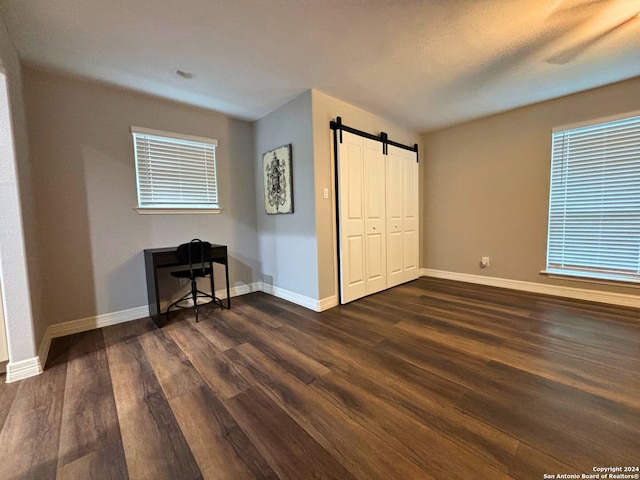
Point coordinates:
[(196, 254)]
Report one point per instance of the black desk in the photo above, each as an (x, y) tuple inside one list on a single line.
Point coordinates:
[(155, 258)]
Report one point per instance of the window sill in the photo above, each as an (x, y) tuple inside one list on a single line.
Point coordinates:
[(177, 211), (620, 282)]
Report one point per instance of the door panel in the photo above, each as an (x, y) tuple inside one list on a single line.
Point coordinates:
[(374, 197), (355, 255), (351, 205), (374, 259), (361, 179), (410, 252), (394, 200), (394, 256), (402, 222), (354, 166)]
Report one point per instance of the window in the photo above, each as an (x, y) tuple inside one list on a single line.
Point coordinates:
[(175, 173), (594, 204)]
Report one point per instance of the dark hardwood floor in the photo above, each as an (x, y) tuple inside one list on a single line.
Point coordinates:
[(429, 380)]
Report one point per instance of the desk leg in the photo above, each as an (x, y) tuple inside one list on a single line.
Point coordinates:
[(226, 274), (213, 283), (153, 295)]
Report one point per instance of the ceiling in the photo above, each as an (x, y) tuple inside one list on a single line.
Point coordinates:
[(423, 64)]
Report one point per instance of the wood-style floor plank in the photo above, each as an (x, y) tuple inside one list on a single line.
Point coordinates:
[(418, 393), (173, 370), (221, 447), (8, 392), (290, 358), (218, 372), (30, 437), (154, 445), (290, 450), (429, 380), (90, 441), (581, 373), (362, 452), (446, 458)]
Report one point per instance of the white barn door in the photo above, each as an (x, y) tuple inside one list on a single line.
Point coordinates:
[(402, 216), (361, 208)]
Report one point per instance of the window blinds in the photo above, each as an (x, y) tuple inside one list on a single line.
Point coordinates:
[(175, 171), (594, 206)]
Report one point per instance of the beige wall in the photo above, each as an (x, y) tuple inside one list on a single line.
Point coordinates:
[(91, 239), (326, 108), (486, 186)]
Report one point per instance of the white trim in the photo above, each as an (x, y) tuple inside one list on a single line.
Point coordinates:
[(625, 300), (178, 136), (98, 321), (327, 303), (302, 300), (240, 290), (176, 211), (596, 121), (23, 369), (589, 277)]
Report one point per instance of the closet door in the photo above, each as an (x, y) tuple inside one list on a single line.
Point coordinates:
[(374, 211), (361, 208), (402, 216)]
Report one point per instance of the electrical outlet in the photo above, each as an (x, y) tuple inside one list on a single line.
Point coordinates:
[(325, 193), (485, 262)]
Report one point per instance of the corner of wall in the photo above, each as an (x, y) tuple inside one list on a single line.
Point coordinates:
[(16, 268)]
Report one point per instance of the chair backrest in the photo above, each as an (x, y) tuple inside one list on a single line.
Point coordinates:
[(196, 252)]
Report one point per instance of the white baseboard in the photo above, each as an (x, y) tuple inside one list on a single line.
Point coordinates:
[(599, 296), (327, 303), (240, 290), (302, 300), (290, 296), (23, 369)]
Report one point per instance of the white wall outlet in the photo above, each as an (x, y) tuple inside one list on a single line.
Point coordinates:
[(485, 262), (325, 193)]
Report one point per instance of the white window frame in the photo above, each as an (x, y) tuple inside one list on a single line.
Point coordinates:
[(205, 179), (594, 200)]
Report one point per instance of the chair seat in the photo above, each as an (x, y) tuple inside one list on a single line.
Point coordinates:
[(199, 272)]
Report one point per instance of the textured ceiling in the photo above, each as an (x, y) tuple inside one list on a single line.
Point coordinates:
[(424, 64)]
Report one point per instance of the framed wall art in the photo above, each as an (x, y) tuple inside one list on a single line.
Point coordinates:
[(278, 180)]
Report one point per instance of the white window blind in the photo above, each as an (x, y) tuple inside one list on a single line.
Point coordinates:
[(594, 205), (175, 171)]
